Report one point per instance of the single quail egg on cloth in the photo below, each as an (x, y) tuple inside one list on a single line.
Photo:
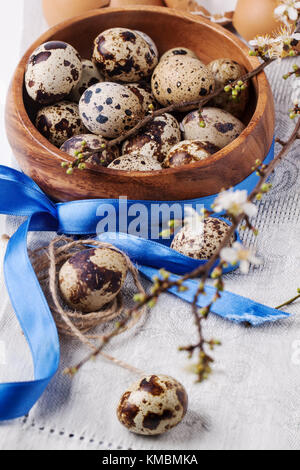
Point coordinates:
[(179, 51), (108, 109), (181, 78), (59, 122), (156, 139), (92, 278), (226, 71), (188, 152), (221, 128), (201, 246), (135, 162), (124, 55), (90, 76), (53, 71), (153, 405), (88, 143), (143, 92)]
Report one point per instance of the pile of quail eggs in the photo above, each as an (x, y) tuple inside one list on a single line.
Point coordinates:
[(93, 101)]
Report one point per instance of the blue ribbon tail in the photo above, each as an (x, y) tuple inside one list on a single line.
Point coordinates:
[(230, 306)]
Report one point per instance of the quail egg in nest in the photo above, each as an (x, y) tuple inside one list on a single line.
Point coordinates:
[(92, 278)]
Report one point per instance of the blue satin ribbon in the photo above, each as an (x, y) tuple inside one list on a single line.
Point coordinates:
[(20, 196)]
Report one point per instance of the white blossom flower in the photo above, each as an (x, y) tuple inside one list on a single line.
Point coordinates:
[(261, 41), (234, 203), (286, 35), (288, 10), (277, 51), (239, 254)]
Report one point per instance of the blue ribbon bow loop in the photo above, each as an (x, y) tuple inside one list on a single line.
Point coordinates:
[(20, 196)]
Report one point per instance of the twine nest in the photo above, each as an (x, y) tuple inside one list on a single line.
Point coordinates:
[(47, 262)]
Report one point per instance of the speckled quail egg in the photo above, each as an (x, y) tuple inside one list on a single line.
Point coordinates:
[(189, 151), (124, 55), (181, 78), (150, 41), (53, 70), (59, 122), (221, 128), (90, 76), (135, 162), (92, 278), (108, 109), (87, 143), (153, 405), (226, 71), (201, 246), (143, 92), (156, 139), (179, 51)]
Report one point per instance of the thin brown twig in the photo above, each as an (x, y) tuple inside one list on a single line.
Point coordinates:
[(289, 302)]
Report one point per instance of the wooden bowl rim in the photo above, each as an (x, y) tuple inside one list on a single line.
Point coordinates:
[(17, 91)]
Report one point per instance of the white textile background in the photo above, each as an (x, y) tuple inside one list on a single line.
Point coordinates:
[(251, 401)]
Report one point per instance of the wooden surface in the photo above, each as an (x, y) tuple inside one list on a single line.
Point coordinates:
[(169, 28)]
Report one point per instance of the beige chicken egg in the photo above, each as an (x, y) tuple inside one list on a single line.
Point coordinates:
[(92, 278), (188, 152), (181, 78), (226, 71), (135, 162), (52, 72), (59, 122), (88, 143), (124, 55), (90, 76), (60, 10), (221, 128), (153, 405), (144, 94), (156, 139), (120, 3), (108, 109), (256, 18), (179, 52), (203, 245)]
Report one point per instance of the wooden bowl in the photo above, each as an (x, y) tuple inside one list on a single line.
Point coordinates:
[(169, 28)]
